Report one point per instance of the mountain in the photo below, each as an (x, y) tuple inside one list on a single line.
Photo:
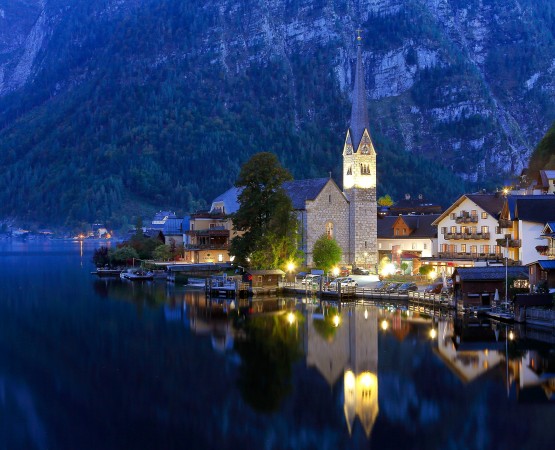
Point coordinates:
[(543, 156), (109, 108)]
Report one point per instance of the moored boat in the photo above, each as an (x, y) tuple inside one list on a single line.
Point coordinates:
[(136, 275)]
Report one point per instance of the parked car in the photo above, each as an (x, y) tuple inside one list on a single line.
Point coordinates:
[(391, 288), (405, 288), (344, 282), (381, 286), (344, 272), (360, 271), (311, 280)]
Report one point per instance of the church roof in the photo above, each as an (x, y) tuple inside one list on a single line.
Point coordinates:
[(359, 111), (299, 191)]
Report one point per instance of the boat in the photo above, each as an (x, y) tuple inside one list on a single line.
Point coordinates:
[(136, 275), (195, 283), (103, 272)]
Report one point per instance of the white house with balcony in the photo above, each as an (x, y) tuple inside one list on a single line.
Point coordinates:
[(467, 233), (523, 220)]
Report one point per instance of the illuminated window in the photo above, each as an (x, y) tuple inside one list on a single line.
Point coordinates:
[(484, 215), (220, 257), (329, 230)]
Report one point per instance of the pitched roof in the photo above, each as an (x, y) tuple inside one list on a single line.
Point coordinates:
[(490, 203), (359, 110), (229, 200), (535, 208), (491, 273), (545, 176), (421, 226), (547, 264), (299, 191)]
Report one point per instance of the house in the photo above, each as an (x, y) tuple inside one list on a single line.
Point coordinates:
[(467, 233), (546, 182), (264, 278), (208, 235), (407, 238), (173, 231), (476, 286), (522, 220)]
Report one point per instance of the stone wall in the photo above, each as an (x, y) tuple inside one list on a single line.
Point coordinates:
[(364, 227), (321, 211)]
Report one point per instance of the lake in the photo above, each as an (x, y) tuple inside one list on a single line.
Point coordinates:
[(89, 363)]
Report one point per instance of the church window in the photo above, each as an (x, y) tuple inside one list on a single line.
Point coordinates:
[(364, 150), (365, 169), (349, 170), (329, 198), (329, 230)]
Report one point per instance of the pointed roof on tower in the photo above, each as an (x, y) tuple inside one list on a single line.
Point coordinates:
[(359, 111)]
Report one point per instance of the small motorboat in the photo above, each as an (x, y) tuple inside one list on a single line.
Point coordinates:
[(136, 275)]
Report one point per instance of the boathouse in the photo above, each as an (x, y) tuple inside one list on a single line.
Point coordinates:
[(264, 278), (476, 286)]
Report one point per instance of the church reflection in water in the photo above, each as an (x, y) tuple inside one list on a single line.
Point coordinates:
[(345, 345)]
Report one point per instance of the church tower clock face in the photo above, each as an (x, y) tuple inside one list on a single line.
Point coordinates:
[(359, 177)]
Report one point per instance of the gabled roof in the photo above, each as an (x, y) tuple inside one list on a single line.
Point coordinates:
[(490, 203), (491, 273), (173, 226), (535, 208), (547, 264), (228, 199), (421, 226), (299, 191)]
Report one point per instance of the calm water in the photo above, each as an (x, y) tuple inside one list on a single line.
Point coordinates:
[(96, 364)]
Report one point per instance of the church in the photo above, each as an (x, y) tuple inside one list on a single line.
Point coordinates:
[(350, 215)]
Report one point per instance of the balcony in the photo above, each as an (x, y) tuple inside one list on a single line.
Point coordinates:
[(513, 243), (466, 236), (470, 256), (466, 219), (216, 231)]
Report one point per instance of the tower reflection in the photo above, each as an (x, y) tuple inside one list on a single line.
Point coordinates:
[(347, 348)]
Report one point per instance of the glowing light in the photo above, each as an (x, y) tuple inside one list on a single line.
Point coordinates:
[(291, 318), (433, 333), (335, 271), (432, 275), (511, 335), (367, 380), (388, 269), (336, 320), (349, 380), (290, 267), (384, 325), (366, 314)]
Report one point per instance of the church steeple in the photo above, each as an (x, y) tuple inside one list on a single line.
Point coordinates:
[(359, 111)]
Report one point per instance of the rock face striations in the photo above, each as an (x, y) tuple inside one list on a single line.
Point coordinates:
[(467, 84)]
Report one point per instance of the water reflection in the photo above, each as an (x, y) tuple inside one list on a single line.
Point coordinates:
[(266, 339)]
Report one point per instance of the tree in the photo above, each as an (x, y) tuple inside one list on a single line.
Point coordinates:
[(123, 254), (326, 253), (386, 200), (101, 257), (265, 215), (162, 253)]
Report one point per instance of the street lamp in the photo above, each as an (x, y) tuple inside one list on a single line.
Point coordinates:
[(290, 268)]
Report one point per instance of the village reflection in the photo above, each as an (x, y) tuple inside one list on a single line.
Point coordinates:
[(266, 337)]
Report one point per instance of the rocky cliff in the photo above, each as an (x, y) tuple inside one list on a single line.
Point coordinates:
[(455, 86)]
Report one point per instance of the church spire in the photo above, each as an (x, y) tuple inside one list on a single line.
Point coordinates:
[(359, 111)]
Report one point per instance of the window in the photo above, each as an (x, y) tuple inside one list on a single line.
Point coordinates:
[(473, 249), (484, 215), (453, 229), (443, 230), (329, 230), (485, 229), (329, 198), (484, 248), (498, 230), (365, 169), (213, 225), (453, 216), (464, 230), (192, 226), (425, 246), (463, 248), (379, 245), (497, 249), (349, 170), (414, 245), (473, 230), (474, 213), (443, 248), (220, 257)]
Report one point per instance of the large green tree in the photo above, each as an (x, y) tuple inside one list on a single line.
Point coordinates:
[(326, 253), (265, 218)]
